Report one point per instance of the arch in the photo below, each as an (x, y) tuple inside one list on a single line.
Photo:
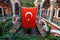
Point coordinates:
[(5, 11), (43, 22), (54, 13), (17, 3), (44, 25), (58, 12)]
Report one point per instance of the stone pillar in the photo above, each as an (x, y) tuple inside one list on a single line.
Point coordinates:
[(41, 5), (13, 6), (2, 12), (13, 9), (51, 9)]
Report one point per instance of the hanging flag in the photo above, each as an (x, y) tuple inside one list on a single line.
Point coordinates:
[(28, 17)]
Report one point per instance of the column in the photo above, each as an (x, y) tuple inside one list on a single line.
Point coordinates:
[(13, 6), (13, 9), (51, 9), (41, 5)]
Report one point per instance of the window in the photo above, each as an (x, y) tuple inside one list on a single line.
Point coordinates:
[(16, 9), (44, 13), (0, 12), (53, 15), (5, 11), (59, 13), (54, 19), (48, 13)]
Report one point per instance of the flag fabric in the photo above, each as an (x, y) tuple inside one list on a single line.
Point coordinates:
[(28, 17)]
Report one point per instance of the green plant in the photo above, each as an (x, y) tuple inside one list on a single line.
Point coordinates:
[(2, 26), (27, 3)]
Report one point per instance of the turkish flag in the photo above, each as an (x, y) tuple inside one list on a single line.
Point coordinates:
[(28, 17)]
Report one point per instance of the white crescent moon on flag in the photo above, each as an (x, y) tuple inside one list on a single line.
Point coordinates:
[(28, 13)]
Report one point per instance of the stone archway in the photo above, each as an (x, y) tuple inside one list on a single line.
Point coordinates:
[(16, 9)]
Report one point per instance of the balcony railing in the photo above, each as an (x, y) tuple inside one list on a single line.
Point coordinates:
[(57, 22)]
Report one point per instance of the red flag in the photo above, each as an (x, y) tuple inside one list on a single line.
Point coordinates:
[(28, 17)]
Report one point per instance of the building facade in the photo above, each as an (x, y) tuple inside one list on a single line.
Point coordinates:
[(50, 15), (9, 7)]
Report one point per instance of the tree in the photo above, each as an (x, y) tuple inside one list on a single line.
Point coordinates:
[(27, 3)]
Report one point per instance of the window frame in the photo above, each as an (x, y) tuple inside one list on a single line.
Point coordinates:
[(44, 11), (49, 10), (6, 10), (57, 13), (2, 10)]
